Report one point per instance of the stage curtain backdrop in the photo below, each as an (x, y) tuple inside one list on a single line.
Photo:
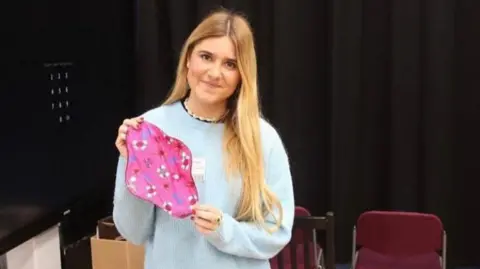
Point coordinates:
[(378, 102)]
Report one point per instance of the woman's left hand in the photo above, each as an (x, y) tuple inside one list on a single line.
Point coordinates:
[(206, 218)]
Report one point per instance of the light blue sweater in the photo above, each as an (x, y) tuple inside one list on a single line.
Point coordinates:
[(175, 243)]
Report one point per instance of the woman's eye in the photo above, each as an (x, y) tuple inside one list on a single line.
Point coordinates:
[(206, 57), (231, 65)]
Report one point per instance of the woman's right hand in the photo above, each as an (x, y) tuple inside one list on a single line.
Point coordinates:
[(120, 142)]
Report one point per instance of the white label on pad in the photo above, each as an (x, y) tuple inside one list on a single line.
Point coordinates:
[(198, 169)]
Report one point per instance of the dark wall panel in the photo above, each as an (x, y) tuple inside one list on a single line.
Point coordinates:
[(66, 87)]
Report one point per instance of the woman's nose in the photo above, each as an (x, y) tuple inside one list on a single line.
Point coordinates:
[(214, 71)]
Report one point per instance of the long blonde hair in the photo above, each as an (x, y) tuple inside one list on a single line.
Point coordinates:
[(241, 140)]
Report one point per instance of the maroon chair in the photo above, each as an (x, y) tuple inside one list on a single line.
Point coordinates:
[(397, 240), (301, 250)]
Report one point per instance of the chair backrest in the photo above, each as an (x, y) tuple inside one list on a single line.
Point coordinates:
[(297, 234), (301, 212), (297, 241), (302, 251), (392, 239)]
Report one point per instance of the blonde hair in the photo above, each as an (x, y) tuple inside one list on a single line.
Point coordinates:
[(241, 140)]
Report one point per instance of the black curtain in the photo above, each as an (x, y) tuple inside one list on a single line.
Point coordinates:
[(378, 102), (66, 87)]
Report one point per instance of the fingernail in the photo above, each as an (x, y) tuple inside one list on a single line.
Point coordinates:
[(194, 212)]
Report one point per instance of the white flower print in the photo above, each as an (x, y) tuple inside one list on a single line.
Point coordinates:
[(185, 161), (192, 199), (163, 172), (139, 144), (131, 184), (168, 207), (151, 191)]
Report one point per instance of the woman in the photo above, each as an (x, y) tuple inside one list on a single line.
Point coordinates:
[(245, 211)]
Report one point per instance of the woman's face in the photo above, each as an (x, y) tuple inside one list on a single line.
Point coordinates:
[(213, 74)]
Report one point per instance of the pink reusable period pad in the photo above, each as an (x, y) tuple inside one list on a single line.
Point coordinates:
[(159, 170)]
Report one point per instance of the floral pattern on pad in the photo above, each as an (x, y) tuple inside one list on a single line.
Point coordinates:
[(159, 170)]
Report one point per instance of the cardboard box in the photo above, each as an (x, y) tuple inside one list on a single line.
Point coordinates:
[(106, 229), (111, 251)]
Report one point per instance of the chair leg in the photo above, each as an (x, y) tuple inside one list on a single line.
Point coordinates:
[(444, 250), (354, 247), (315, 257), (320, 262)]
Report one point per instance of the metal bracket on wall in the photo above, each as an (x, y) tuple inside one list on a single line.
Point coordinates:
[(58, 75)]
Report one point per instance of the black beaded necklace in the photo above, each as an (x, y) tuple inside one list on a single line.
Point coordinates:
[(209, 120)]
